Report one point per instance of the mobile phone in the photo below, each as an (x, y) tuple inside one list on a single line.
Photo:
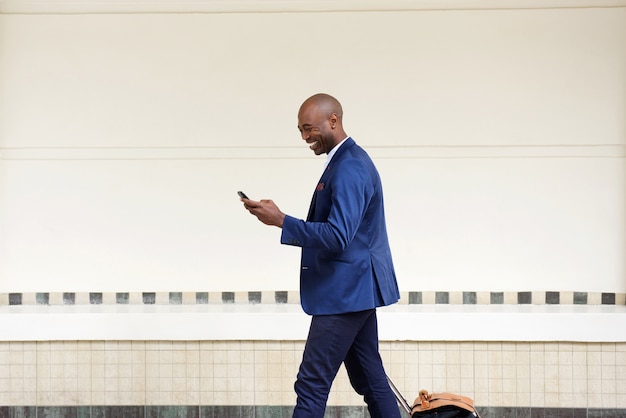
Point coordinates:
[(242, 195)]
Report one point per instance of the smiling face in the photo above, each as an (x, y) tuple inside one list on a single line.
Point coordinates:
[(319, 123)]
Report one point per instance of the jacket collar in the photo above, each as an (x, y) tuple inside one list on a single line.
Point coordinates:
[(348, 142)]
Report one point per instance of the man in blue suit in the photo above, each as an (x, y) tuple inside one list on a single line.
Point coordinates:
[(346, 269)]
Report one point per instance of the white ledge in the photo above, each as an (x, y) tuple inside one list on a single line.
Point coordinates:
[(279, 6), (578, 323)]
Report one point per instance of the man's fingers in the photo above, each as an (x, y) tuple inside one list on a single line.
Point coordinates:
[(250, 203)]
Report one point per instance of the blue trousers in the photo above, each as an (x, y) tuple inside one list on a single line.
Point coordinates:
[(351, 338)]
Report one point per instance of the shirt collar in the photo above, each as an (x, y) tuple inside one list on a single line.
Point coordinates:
[(332, 152)]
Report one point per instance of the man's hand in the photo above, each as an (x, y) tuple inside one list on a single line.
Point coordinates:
[(265, 210)]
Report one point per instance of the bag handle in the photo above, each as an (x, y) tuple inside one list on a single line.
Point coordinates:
[(401, 400), (425, 398)]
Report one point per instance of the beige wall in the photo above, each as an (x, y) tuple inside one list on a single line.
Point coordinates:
[(71, 373), (499, 134)]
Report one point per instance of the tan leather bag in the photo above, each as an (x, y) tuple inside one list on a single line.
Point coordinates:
[(427, 403)]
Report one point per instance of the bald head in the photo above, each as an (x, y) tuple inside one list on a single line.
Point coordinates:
[(324, 104)]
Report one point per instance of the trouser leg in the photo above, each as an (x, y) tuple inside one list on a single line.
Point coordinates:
[(367, 374), (330, 338)]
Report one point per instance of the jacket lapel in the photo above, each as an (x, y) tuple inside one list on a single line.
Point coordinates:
[(321, 184)]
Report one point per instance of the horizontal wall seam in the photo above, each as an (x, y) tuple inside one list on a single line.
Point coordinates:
[(287, 6), (296, 153)]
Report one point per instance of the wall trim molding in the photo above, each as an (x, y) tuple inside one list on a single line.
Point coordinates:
[(283, 6), (299, 152)]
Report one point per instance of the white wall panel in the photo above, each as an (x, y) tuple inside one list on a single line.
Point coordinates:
[(500, 135), (507, 223)]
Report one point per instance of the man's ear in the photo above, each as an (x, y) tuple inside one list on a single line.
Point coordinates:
[(333, 119)]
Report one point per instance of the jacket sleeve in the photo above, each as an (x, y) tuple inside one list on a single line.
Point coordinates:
[(351, 191)]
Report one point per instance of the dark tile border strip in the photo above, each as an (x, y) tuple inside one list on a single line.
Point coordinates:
[(149, 298), (202, 298), (524, 298), (469, 298), (415, 298), (496, 298), (122, 298), (255, 297), (283, 297), (176, 298), (42, 298), (95, 298), (262, 411), (580, 298), (118, 412), (608, 298), (69, 298), (15, 298), (228, 297), (442, 298), (18, 412), (553, 298)]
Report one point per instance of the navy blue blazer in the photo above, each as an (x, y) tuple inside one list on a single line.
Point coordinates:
[(346, 260)]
